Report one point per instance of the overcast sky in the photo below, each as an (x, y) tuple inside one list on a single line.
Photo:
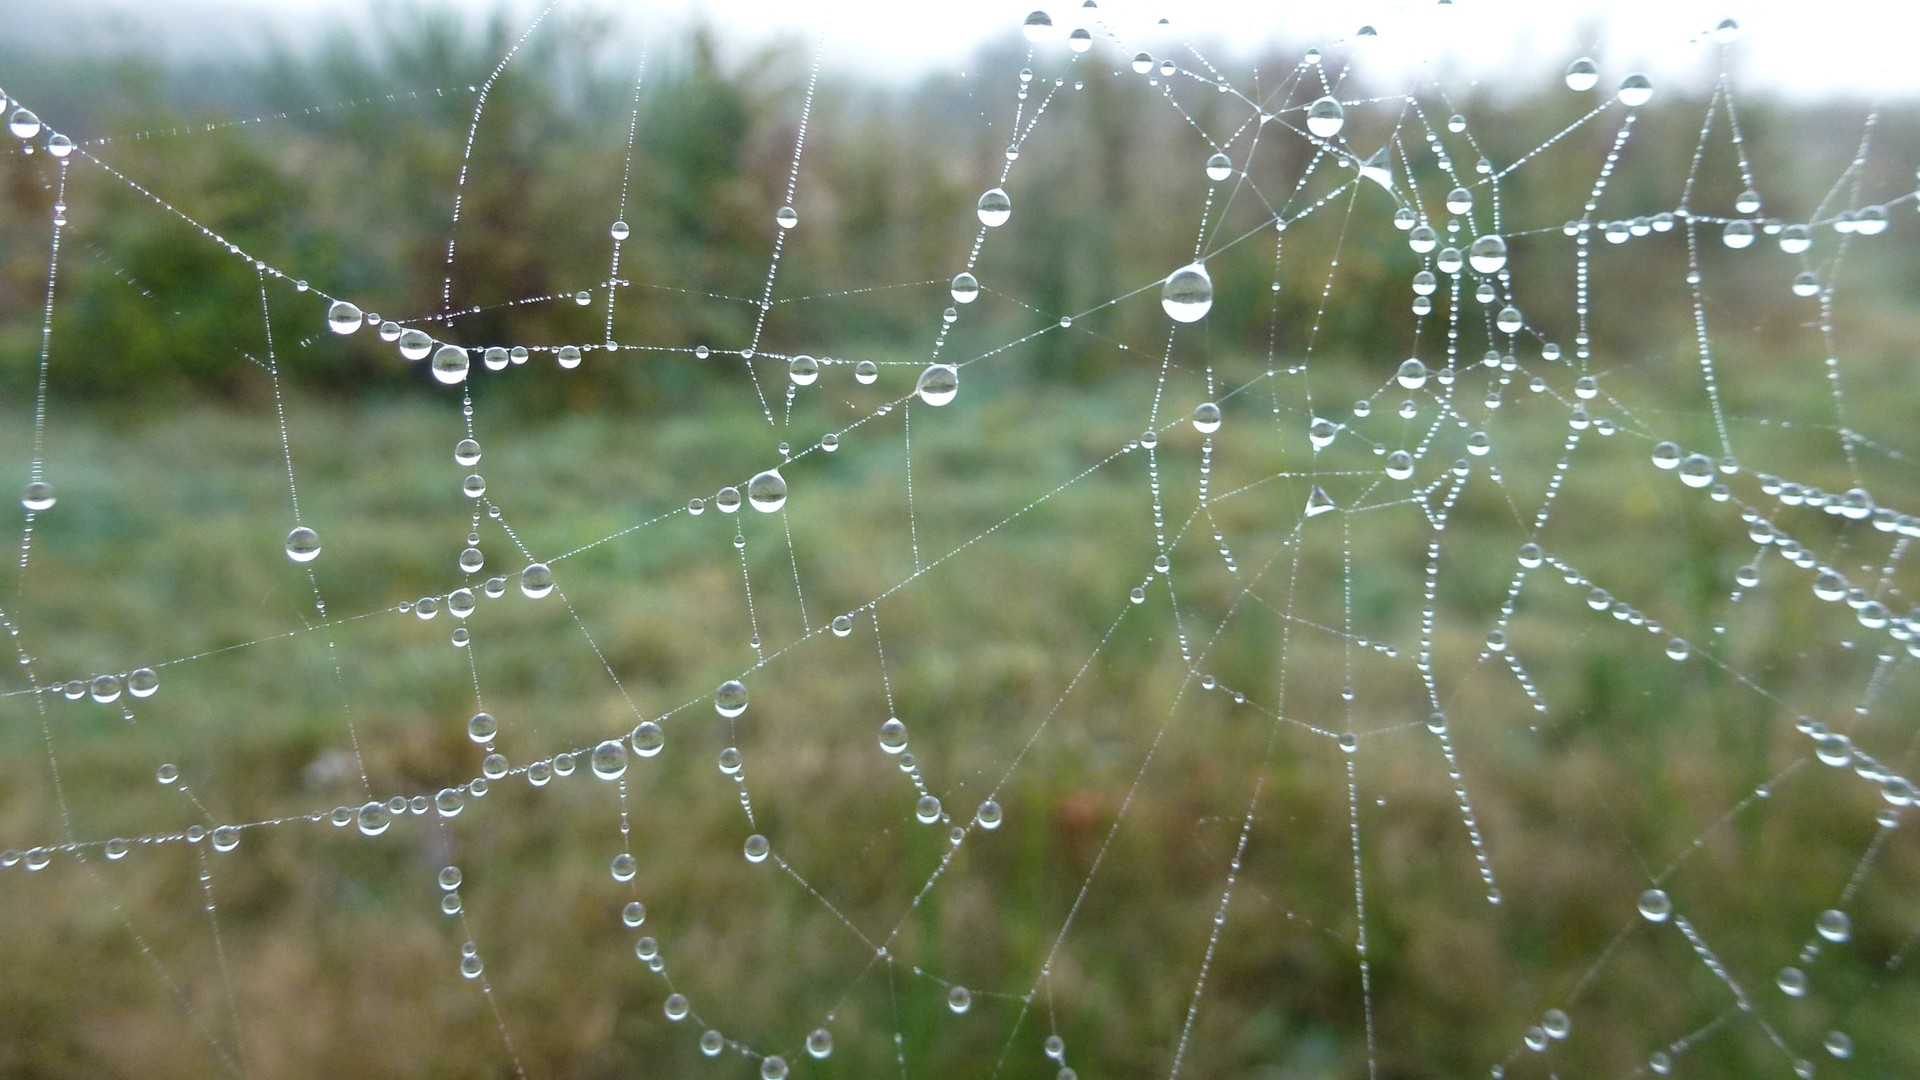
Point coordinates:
[(1833, 46)]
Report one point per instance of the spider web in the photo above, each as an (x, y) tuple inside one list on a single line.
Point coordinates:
[(1130, 670)]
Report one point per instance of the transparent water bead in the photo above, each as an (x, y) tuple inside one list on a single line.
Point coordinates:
[(803, 370), (994, 208), (893, 736), (1737, 235), (609, 760), (1400, 465), (959, 999), (756, 848), (1488, 254), (620, 231), (373, 818), (1325, 118), (786, 218), (23, 123), (1219, 167), (1412, 373), (1792, 982), (1187, 295), (730, 699), (712, 1042), (989, 815), (59, 145), (1459, 201), (1635, 90), (767, 491), (1038, 26), (466, 453), (536, 581), (482, 727), (1422, 239), (866, 373), (727, 500), (1206, 418), (965, 288), (1318, 501), (1655, 905), (415, 344), (143, 682), (37, 495), (927, 810), (773, 1068), (303, 544), (1696, 470), (450, 365), (1834, 925), (343, 318), (819, 1043), (938, 384), (1582, 74), (647, 739), (842, 625)]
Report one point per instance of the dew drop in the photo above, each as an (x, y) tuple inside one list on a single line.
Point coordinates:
[(786, 218), (767, 492), (450, 364), (1582, 75), (1635, 90), (609, 760), (303, 545), (343, 318), (1325, 118), (1655, 905), (1187, 295), (994, 208), (938, 384), (536, 581), (1206, 418), (730, 699)]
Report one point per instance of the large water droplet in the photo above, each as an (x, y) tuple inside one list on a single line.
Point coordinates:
[(1219, 167), (767, 491), (1206, 418), (966, 288), (450, 364), (1325, 118), (1187, 295), (536, 581), (1038, 27), (303, 544), (730, 700), (938, 384), (1635, 90), (23, 123), (609, 760), (415, 344), (995, 208), (803, 370), (1582, 75), (1488, 255), (343, 318), (37, 495)]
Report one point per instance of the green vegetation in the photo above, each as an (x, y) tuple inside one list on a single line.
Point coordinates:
[(164, 441)]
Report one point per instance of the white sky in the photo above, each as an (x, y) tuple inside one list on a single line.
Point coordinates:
[(1859, 47)]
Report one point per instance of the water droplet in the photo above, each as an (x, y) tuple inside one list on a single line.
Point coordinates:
[(938, 384), (1187, 295), (1488, 254), (623, 867), (1635, 90), (536, 581), (415, 344), (989, 815), (647, 738), (1839, 1044), (727, 500), (1792, 982), (1206, 418), (1422, 239), (470, 965), (466, 453), (711, 1043), (1325, 118), (23, 123), (448, 802), (303, 544), (1318, 501), (1399, 465), (373, 818), (1582, 75), (1412, 373), (756, 848), (819, 1043), (1834, 925), (634, 913), (1655, 905), (767, 492), (893, 736), (1737, 235), (620, 231), (1038, 27), (1833, 749), (609, 760), (1219, 167), (994, 208), (343, 318), (1806, 283), (842, 625), (568, 356), (482, 728), (730, 699), (450, 363), (786, 218), (959, 999), (966, 288), (866, 372), (927, 809), (142, 682), (1696, 470), (60, 146)]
